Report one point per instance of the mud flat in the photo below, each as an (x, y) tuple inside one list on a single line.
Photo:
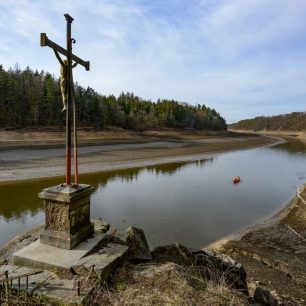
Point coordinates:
[(274, 253), (290, 135), (28, 155)]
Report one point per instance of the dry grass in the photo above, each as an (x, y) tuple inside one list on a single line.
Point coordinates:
[(149, 284), (168, 284), (21, 298)]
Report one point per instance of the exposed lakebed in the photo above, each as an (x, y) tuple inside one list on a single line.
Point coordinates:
[(191, 202)]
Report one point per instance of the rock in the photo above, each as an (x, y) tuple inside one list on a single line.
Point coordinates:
[(105, 226), (101, 265), (151, 270), (212, 266), (174, 252), (263, 296), (101, 225), (139, 248), (216, 266)]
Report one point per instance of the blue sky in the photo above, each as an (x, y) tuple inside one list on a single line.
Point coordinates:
[(243, 57)]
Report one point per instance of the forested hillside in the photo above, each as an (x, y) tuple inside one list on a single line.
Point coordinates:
[(33, 99), (288, 122)]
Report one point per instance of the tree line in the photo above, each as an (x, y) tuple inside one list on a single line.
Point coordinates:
[(288, 122), (33, 99)]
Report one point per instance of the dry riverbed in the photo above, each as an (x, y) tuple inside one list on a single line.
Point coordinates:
[(274, 252), (298, 135), (35, 154)]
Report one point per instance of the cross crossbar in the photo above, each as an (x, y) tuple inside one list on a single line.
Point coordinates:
[(45, 41), (66, 84)]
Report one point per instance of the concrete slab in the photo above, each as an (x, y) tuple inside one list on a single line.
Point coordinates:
[(14, 271), (49, 285), (63, 291), (105, 261), (90, 262), (55, 286), (45, 256)]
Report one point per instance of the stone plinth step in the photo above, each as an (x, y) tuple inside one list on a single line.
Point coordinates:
[(55, 284), (41, 255), (104, 262), (48, 285)]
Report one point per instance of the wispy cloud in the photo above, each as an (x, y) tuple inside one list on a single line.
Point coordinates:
[(244, 58)]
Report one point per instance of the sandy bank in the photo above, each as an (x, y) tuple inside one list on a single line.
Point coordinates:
[(274, 252), (284, 134), (33, 160)]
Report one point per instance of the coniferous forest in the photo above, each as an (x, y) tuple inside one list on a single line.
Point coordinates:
[(33, 99), (288, 122)]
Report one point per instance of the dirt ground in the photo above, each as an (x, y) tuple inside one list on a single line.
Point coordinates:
[(284, 134), (274, 253), (35, 154)]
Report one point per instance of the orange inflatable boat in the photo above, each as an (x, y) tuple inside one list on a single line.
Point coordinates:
[(236, 179)]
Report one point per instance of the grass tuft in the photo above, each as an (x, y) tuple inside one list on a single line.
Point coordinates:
[(167, 284)]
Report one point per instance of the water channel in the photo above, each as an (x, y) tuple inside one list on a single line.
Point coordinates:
[(194, 203)]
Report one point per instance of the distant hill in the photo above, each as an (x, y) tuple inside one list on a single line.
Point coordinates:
[(288, 122), (33, 99)]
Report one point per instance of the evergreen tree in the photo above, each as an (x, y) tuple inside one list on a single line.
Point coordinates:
[(33, 99)]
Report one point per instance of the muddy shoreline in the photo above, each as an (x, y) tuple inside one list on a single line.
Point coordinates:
[(117, 152), (298, 135), (273, 252)]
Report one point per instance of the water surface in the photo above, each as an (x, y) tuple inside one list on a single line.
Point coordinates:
[(192, 202)]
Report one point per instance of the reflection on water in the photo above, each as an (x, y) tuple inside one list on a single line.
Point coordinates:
[(20, 198), (292, 146), (21, 209), (191, 202), (173, 168)]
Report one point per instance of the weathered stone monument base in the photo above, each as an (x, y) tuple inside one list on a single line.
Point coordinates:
[(41, 255), (71, 248), (97, 257), (67, 213)]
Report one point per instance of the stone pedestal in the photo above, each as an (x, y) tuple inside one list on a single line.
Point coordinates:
[(67, 211)]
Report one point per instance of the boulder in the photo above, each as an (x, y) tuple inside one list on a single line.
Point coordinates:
[(216, 267), (176, 253), (211, 265), (101, 226), (137, 242), (263, 296)]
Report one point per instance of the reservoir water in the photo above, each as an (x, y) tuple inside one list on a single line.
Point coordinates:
[(194, 203)]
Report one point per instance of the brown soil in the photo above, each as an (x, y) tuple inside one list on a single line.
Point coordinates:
[(274, 254), (284, 134), (145, 149)]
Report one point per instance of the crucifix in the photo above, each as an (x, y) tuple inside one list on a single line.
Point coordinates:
[(67, 89)]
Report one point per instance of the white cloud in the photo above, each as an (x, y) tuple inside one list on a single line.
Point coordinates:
[(237, 56), (237, 26)]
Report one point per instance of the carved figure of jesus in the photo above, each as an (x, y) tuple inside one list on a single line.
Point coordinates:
[(64, 83)]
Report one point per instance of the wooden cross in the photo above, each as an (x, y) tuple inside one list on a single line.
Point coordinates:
[(44, 41)]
